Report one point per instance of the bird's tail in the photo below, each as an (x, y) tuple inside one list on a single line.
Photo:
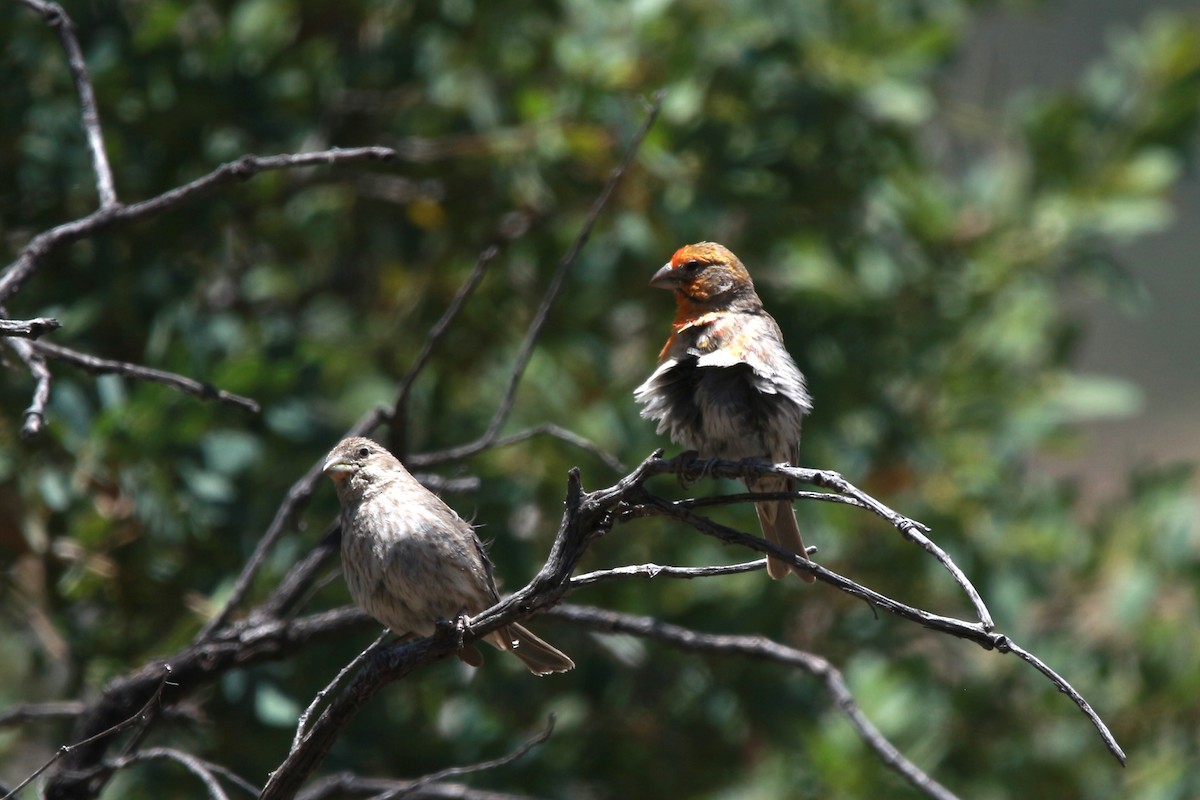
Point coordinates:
[(778, 523), (540, 657)]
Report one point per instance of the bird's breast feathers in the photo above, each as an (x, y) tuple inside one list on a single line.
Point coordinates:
[(708, 357), (695, 334)]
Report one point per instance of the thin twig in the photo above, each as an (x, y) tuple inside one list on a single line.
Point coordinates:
[(557, 282), (239, 645), (35, 414), (909, 528), (105, 366), (658, 570), (760, 647), (827, 479), (28, 328), (438, 331), (207, 771), (649, 505), (68, 749), (36, 711), (302, 723), (64, 28), (441, 485), (246, 167), (1061, 684), (299, 584), (380, 668), (545, 429), (348, 784), (753, 497), (482, 766)]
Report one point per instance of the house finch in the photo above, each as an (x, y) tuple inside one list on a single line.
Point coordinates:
[(726, 386), (411, 562)]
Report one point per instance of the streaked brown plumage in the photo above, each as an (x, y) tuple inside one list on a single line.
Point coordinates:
[(725, 385), (411, 562)]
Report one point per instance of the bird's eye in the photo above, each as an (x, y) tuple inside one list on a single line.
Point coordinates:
[(692, 266), (363, 452)]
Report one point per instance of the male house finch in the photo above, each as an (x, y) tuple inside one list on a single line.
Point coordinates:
[(725, 385), (411, 562)]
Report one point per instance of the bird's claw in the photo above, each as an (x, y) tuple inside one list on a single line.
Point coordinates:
[(757, 462), (456, 627), (686, 479)]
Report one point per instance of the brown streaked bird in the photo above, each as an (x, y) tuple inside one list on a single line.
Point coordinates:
[(411, 562), (726, 385)]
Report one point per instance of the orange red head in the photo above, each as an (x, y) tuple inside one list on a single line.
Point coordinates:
[(705, 273)]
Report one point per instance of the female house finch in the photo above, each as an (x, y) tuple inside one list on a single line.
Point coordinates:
[(411, 562), (725, 385)]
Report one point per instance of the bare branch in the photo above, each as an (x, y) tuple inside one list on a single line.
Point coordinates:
[(1061, 684), (302, 723), (657, 570), (587, 516), (71, 709), (557, 282), (35, 415), (442, 485), (58, 20), (546, 429), (36, 711), (246, 167), (69, 749), (28, 328), (381, 667), (240, 644), (650, 505), (909, 528), (981, 633), (438, 331), (349, 784), (590, 515), (204, 770), (104, 366), (753, 497), (406, 788), (297, 585), (760, 647)]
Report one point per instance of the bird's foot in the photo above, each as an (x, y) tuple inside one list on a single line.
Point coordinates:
[(758, 462), (688, 479), (457, 628)]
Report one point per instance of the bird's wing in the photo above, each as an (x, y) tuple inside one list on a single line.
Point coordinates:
[(487, 564), (754, 339)]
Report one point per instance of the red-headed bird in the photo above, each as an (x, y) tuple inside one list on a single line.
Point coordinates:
[(726, 386)]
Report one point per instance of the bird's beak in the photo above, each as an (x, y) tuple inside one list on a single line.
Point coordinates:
[(337, 469), (665, 278)]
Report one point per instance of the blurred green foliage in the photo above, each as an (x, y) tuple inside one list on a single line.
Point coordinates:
[(921, 257)]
